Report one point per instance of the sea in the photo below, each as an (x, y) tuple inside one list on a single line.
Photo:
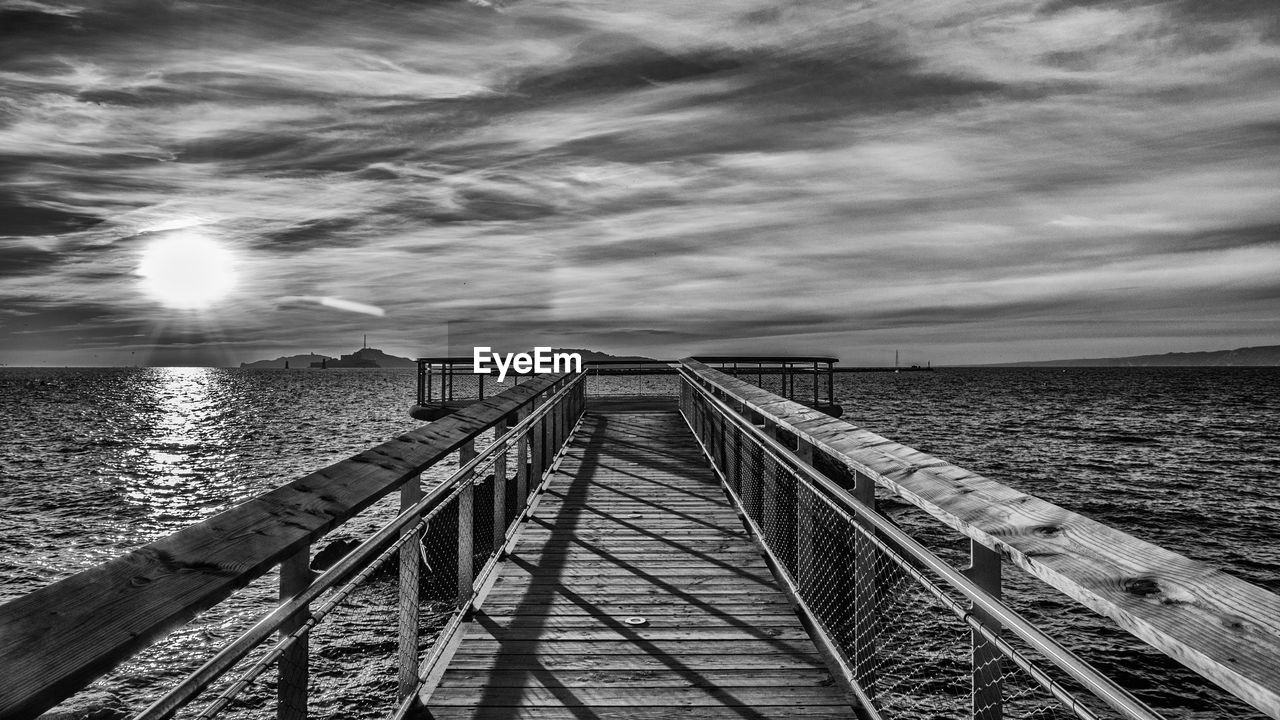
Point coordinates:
[(97, 461)]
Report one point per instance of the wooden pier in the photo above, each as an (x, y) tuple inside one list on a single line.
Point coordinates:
[(711, 550), (635, 592)]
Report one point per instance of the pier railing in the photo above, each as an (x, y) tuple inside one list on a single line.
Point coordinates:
[(916, 637), (393, 592), (807, 380)]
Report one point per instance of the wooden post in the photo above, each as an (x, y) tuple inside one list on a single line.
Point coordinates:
[(422, 384), (866, 616), (805, 502), (984, 571), (499, 489), (554, 416), (410, 573), (466, 524), (831, 383), (481, 391), (522, 465), (815, 382), (538, 442), (291, 690)]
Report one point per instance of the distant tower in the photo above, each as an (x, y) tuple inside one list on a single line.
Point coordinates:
[(366, 342)]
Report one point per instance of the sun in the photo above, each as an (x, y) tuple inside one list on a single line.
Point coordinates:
[(187, 271)]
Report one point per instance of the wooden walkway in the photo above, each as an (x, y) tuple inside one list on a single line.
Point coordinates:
[(635, 526)]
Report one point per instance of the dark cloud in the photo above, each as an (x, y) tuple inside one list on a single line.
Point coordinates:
[(1229, 238), (495, 204), (1261, 14), (39, 320), (24, 30), (20, 260), (311, 234), (20, 218), (628, 67), (639, 250)]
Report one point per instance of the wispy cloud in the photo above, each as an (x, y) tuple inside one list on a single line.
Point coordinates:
[(333, 302), (819, 176)]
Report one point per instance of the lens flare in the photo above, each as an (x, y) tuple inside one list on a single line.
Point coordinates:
[(187, 271)]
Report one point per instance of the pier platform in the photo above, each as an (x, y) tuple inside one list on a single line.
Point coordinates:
[(634, 591), (563, 550)]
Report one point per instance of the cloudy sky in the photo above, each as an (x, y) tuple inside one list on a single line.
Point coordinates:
[(210, 182)]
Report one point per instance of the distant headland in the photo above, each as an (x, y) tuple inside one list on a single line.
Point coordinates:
[(368, 357), (1266, 355), (363, 358)]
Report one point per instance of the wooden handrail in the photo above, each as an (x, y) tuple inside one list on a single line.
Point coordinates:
[(57, 639), (1222, 627)]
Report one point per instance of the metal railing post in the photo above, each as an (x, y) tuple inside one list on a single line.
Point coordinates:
[(988, 677), (466, 524), (410, 572), (291, 690)]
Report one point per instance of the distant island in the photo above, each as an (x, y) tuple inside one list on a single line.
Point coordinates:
[(1266, 355), (593, 355), (363, 358), (374, 358)]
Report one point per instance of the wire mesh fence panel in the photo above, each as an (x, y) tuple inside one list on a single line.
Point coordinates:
[(907, 639), (656, 381)]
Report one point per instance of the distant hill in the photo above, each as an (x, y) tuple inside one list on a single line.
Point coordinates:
[(295, 361), (384, 360), (374, 355), (590, 355), (1266, 355)]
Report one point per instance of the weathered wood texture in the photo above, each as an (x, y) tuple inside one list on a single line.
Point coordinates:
[(634, 524), (56, 639), (1218, 625)]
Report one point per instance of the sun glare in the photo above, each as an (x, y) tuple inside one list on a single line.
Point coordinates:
[(187, 271)]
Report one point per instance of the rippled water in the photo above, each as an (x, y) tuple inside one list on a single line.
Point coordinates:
[(1186, 458), (97, 461)]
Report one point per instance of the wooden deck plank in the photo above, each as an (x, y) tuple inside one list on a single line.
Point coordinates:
[(636, 524), (637, 713), (640, 678), (621, 661), (592, 697)]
